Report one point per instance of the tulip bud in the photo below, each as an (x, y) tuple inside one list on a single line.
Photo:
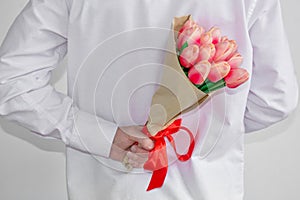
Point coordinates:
[(189, 56), (189, 23), (191, 35), (221, 49), (206, 38), (205, 52), (212, 51), (235, 61), (218, 71), (216, 35), (225, 50), (236, 77), (199, 72), (233, 49)]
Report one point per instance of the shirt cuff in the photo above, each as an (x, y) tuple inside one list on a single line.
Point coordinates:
[(92, 134)]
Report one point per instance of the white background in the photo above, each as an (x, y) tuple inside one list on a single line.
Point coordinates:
[(32, 167)]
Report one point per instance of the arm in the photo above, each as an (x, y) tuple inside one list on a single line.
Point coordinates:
[(34, 45), (274, 90)]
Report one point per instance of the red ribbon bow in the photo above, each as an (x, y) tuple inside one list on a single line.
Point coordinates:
[(158, 159)]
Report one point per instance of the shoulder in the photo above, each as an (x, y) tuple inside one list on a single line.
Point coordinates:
[(257, 8)]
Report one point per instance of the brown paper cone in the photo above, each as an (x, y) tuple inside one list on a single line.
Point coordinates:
[(176, 94)]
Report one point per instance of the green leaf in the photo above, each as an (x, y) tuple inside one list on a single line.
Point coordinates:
[(209, 86), (183, 47)]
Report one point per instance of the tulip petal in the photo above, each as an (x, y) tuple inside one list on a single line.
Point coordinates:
[(212, 51), (225, 50), (221, 49), (189, 56), (236, 77), (189, 23), (199, 72), (235, 61), (218, 71), (232, 49), (216, 35), (206, 38), (224, 38), (192, 35), (205, 52), (195, 36)]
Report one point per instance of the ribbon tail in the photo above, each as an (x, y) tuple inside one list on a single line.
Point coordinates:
[(158, 159), (158, 178)]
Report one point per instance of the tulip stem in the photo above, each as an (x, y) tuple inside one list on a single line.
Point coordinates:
[(185, 70), (209, 86)]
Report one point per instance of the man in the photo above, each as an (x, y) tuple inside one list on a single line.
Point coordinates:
[(115, 50)]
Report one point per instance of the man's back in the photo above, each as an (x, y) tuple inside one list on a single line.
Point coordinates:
[(115, 52)]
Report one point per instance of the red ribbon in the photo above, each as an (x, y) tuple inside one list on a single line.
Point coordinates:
[(158, 159)]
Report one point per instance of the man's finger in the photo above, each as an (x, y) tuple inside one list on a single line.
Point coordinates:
[(135, 134), (140, 151), (136, 158), (146, 143)]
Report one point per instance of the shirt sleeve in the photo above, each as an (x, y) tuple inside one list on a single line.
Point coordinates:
[(34, 45), (274, 91)]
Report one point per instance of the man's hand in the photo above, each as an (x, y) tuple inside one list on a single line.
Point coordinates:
[(132, 142)]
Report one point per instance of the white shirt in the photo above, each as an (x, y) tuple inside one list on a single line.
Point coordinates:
[(114, 53)]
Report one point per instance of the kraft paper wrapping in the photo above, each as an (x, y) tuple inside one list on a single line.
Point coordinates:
[(176, 94)]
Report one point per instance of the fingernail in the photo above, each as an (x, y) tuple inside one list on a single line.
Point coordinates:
[(150, 146), (133, 148)]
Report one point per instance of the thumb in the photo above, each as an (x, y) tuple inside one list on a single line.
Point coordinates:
[(138, 136), (146, 143)]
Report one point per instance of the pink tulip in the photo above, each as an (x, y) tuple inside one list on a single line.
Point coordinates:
[(216, 35), (233, 49), (224, 50), (208, 55), (212, 51), (190, 35), (235, 61), (189, 23), (218, 71), (206, 38), (205, 52), (199, 72), (189, 56), (221, 48), (236, 77)]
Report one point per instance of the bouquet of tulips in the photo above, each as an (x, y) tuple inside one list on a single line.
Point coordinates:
[(209, 60), (196, 63)]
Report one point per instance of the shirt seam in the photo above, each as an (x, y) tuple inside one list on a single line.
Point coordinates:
[(251, 11)]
